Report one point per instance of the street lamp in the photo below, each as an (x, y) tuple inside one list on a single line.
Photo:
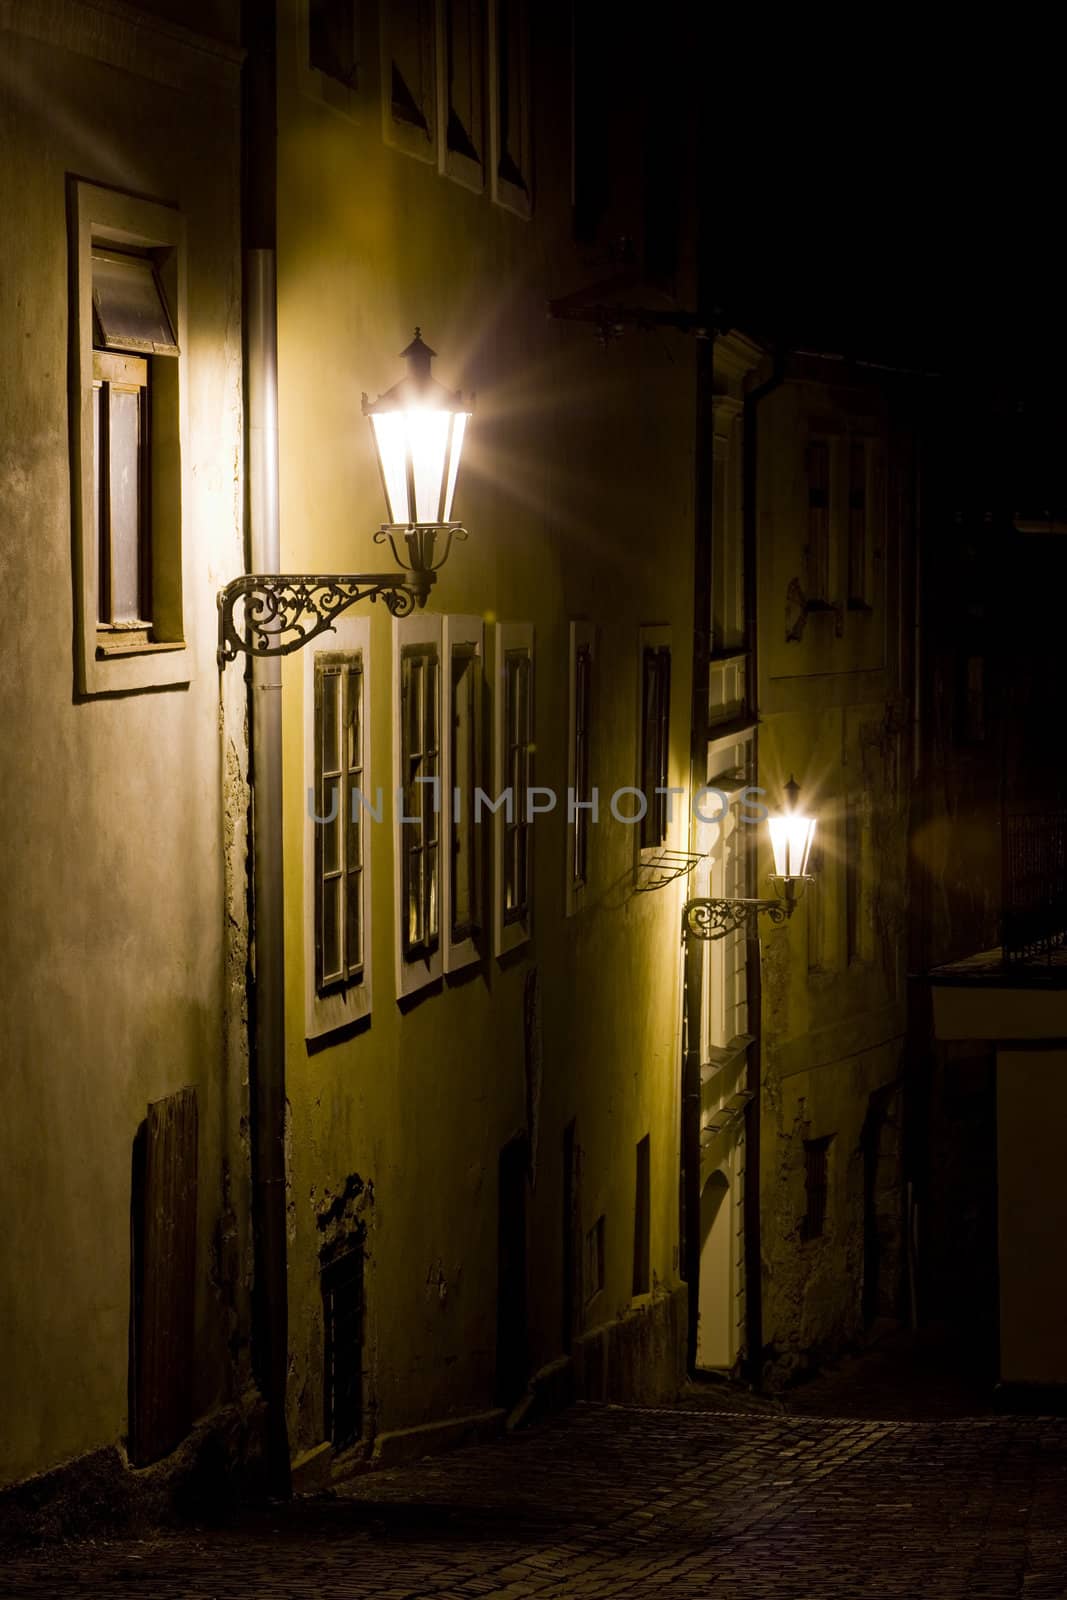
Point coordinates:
[(418, 428), (792, 834)]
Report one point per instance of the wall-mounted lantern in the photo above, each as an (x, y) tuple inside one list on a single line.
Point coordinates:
[(792, 834), (418, 428)]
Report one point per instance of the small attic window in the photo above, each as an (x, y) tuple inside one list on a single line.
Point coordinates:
[(129, 311)]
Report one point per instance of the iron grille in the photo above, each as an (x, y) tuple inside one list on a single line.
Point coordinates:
[(1034, 905)]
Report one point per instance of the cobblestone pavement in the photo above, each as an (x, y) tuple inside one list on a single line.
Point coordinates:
[(621, 1501)]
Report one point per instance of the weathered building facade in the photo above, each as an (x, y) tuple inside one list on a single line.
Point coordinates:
[(486, 1129), (398, 1086), (125, 1268), (803, 1023)]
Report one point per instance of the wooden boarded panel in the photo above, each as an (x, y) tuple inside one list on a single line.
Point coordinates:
[(164, 1277)]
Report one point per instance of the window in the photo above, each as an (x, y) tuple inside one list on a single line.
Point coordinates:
[(509, 105), (339, 849), (341, 808), (420, 694), (513, 774), (655, 742), (333, 40), (517, 772), (463, 654), (816, 1162), (418, 788), (437, 781), (859, 932), (342, 1317), (125, 326), (461, 94), (858, 587), (817, 549), (579, 763), (409, 86), (643, 1218), (594, 1260)]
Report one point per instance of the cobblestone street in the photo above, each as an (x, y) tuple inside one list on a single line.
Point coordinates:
[(620, 1501)]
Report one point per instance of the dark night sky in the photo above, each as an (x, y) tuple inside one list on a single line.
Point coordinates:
[(899, 229)]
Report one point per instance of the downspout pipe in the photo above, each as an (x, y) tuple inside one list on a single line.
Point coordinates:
[(270, 1311), (703, 506), (703, 533), (753, 1362)]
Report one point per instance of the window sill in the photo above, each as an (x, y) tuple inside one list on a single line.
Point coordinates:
[(123, 643)]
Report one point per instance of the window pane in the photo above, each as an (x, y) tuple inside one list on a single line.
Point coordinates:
[(331, 830), (331, 696), (464, 909), (331, 929), (354, 720), (103, 598), (354, 922), (582, 666), (124, 474), (413, 871), (128, 307)]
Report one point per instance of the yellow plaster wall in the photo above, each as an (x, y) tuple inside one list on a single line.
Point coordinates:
[(115, 988), (576, 489)]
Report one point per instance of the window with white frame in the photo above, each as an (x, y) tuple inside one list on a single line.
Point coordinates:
[(511, 144), (463, 774), (420, 767), (126, 412), (461, 90), (341, 807), (579, 762), (654, 752), (409, 77), (513, 774), (437, 711)]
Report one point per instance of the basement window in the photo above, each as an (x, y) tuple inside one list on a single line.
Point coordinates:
[(816, 1172), (342, 1317)]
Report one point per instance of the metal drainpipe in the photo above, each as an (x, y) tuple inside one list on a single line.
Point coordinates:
[(753, 1364), (703, 504), (270, 1309)]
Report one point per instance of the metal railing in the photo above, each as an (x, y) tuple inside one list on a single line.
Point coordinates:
[(1034, 904)]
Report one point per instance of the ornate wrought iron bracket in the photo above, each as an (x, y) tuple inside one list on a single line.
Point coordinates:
[(714, 919), (273, 614)]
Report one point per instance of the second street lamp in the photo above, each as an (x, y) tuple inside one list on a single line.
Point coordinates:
[(792, 834), (418, 428)]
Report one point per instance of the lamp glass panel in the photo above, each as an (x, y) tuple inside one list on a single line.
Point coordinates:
[(391, 439), (428, 441), (459, 426), (791, 839)]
